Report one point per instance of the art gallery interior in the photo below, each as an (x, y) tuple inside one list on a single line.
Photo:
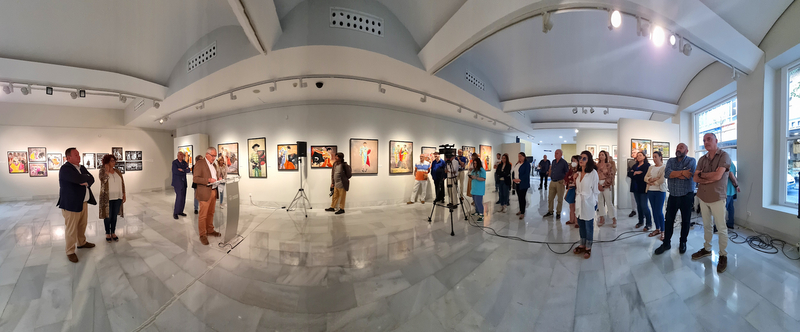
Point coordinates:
[(385, 81)]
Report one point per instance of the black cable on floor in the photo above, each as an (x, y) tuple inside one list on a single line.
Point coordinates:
[(762, 242)]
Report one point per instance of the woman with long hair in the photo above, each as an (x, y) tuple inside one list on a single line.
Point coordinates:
[(222, 173), (639, 188), (586, 192), (478, 177), (503, 180), (112, 195), (521, 177), (657, 192), (569, 183), (606, 170)]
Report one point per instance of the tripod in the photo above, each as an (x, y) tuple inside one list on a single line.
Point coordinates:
[(452, 183), (300, 197)]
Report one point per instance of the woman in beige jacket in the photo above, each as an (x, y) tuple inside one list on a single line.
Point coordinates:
[(112, 196), (657, 192), (606, 170)]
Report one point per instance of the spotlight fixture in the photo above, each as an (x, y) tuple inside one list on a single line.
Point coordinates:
[(673, 40), (82, 93), (201, 106), (73, 95), (233, 96), (591, 110), (25, 90), (642, 27), (459, 109), (576, 131), (257, 91), (476, 115), (424, 98), (302, 84), (614, 19), (560, 136), (687, 49), (156, 104), (540, 141), (584, 110), (273, 87), (48, 90), (606, 111), (547, 24), (122, 98), (8, 89), (381, 89), (658, 36), (574, 110), (162, 120), (565, 141), (494, 123)]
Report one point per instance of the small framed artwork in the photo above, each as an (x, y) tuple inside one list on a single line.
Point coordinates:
[(38, 170), (54, 161), (468, 150), (662, 147), (133, 165), (37, 155), (486, 157), (17, 162), (88, 161), (230, 153), (400, 160), (603, 148), (98, 159), (117, 152), (592, 149), (614, 151), (287, 157), (133, 155), (188, 154), (120, 166), (257, 158), (641, 145), (322, 155), (364, 156), (427, 152)]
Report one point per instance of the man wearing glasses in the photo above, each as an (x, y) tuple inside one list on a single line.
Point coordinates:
[(205, 174)]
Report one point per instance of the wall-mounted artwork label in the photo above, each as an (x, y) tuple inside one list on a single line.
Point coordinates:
[(17, 162), (117, 152), (662, 147), (322, 155), (133, 155), (287, 157), (400, 160), (257, 157), (641, 145), (486, 157), (98, 159), (38, 170), (427, 152), (364, 156), (133, 166), (54, 161), (188, 154), (229, 152), (88, 161), (37, 155)]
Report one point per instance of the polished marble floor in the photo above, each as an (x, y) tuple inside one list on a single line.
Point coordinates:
[(374, 269)]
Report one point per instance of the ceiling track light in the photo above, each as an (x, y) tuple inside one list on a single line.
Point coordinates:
[(26, 90), (687, 48), (673, 40), (82, 93), (642, 27), (494, 123), (156, 104), (459, 109), (273, 87), (584, 110), (476, 115), (591, 110), (424, 98), (201, 106), (8, 89), (73, 95), (658, 36), (122, 98), (574, 110), (606, 111), (614, 19), (48, 90), (164, 119), (302, 84), (233, 96), (547, 24), (380, 88)]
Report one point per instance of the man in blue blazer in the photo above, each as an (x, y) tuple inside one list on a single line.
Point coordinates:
[(179, 170), (74, 194)]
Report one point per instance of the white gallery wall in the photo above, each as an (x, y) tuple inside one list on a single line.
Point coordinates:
[(639, 129), (335, 124), (598, 137), (90, 131)]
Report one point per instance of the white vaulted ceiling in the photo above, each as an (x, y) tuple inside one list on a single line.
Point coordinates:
[(751, 18)]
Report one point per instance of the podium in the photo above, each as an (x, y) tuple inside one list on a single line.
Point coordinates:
[(232, 218)]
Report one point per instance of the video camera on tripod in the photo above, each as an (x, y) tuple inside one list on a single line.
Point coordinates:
[(451, 184), (448, 150)]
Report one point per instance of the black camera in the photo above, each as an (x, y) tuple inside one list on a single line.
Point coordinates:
[(319, 85), (447, 150)]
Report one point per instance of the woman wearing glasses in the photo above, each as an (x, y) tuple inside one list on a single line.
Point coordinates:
[(586, 192)]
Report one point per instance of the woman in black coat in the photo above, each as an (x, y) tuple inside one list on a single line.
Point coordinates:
[(639, 189), (504, 181)]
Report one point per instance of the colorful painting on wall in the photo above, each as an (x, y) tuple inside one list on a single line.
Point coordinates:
[(614, 151), (592, 149), (257, 158), (641, 145), (603, 148), (188, 154), (662, 147), (17, 162), (133, 165), (37, 155), (322, 155), (88, 161), (54, 161), (98, 159), (428, 151), (287, 157), (364, 156), (229, 152), (133, 155), (117, 152), (38, 170), (468, 150), (400, 159), (486, 157)]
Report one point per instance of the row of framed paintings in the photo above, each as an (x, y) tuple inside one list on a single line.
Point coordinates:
[(647, 147), (594, 149), (37, 161), (363, 156)]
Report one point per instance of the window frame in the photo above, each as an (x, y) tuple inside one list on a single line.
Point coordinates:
[(785, 138), (698, 145)]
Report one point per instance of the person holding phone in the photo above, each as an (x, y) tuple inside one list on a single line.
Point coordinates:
[(478, 177)]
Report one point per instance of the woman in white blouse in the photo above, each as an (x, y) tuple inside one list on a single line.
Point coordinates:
[(586, 192), (112, 195), (657, 192)]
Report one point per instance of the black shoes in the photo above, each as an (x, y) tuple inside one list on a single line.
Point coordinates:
[(633, 213), (330, 209), (558, 216), (340, 211), (548, 214), (182, 214), (660, 250), (682, 248), (175, 216), (195, 211)]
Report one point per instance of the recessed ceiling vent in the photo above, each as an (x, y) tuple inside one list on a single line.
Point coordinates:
[(355, 20), (202, 57), (139, 105), (475, 81)]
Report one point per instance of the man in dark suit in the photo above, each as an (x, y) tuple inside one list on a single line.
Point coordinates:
[(74, 194), (179, 170), (205, 174)]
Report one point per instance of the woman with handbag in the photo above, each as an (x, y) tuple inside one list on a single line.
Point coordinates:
[(569, 183)]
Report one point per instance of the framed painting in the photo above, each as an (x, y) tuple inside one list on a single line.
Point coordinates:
[(88, 161), (117, 152), (614, 151), (37, 155), (641, 145), (364, 156), (120, 166), (37, 170), (133, 155), (662, 147), (428, 151), (486, 157), (287, 157), (257, 158), (54, 161), (188, 154), (400, 159), (468, 150), (603, 148), (230, 154), (133, 165), (17, 162), (592, 149), (322, 155), (98, 159)]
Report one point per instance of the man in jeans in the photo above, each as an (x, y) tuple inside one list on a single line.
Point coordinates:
[(733, 189), (544, 167), (679, 172), (712, 182), (558, 170)]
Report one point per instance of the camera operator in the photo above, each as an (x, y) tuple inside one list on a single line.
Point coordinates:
[(453, 173), (438, 174), (463, 165)]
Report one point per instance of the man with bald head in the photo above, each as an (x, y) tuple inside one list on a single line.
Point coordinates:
[(679, 172), (205, 174), (557, 173), (712, 188)]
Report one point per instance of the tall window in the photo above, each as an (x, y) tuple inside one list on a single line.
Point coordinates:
[(719, 119), (791, 106)]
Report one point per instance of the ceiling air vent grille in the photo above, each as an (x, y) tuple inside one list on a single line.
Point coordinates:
[(139, 105), (355, 20), (475, 81), (202, 57)]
